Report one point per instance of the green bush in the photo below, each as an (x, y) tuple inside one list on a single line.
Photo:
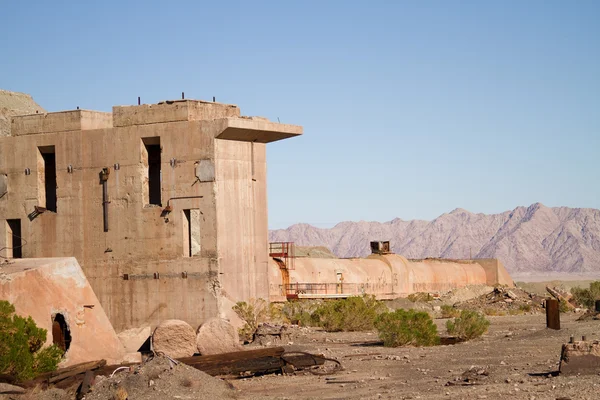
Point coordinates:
[(469, 325), (449, 311), (407, 327), (350, 314), (21, 341), (587, 297), (420, 297), (300, 312)]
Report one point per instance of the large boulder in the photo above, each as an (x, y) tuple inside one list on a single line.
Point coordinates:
[(216, 336), (174, 338)]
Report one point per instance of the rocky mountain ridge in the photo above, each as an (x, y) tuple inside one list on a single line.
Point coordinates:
[(527, 239)]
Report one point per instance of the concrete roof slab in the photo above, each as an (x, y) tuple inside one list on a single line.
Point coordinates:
[(257, 130)]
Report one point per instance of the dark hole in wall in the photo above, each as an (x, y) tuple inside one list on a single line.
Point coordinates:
[(49, 157), (61, 335), (153, 150), (15, 243)]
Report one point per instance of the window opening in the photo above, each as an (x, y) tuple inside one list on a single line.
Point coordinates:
[(152, 153), (61, 335), (191, 232), (14, 242), (47, 177)]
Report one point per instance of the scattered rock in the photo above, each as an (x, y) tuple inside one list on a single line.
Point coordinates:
[(216, 336), (267, 334), (174, 338)]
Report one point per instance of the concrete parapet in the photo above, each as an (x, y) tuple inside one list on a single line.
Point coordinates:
[(172, 111), (62, 121)]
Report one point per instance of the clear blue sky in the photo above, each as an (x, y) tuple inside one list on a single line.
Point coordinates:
[(410, 109)]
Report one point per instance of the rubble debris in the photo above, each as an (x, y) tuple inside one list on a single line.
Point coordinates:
[(502, 301), (580, 357), (160, 378), (473, 376), (174, 338), (563, 297), (267, 334), (133, 339), (217, 336)]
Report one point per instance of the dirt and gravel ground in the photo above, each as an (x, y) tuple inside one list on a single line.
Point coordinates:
[(518, 354)]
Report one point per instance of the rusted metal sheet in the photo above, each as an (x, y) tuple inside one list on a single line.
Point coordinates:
[(552, 314)]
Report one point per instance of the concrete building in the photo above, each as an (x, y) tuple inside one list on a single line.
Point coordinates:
[(163, 205)]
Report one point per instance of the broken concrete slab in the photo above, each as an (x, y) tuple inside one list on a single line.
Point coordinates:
[(217, 336), (580, 357), (174, 338), (133, 339)]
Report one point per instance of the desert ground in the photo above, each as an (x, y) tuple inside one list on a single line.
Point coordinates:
[(518, 354)]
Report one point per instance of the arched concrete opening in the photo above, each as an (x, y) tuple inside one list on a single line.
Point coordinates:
[(61, 334)]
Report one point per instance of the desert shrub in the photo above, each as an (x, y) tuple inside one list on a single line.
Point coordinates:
[(563, 306), (420, 297), (406, 327), (350, 314), (449, 311), (525, 308), (300, 312), (469, 325), (21, 341), (252, 313), (587, 297), (491, 312)]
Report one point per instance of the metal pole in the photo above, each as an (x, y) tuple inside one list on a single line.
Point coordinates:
[(105, 204)]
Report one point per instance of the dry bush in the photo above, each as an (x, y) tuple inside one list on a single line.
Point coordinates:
[(469, 325), (253, 312), (407, 327), (449, 311), (421, 297)]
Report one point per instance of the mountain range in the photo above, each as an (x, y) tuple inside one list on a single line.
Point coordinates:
[(534, 239)]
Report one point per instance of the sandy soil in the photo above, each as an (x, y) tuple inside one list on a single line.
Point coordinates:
[(518, 353)]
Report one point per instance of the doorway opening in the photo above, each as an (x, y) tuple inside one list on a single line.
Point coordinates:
[(14, 242), (61, 334)]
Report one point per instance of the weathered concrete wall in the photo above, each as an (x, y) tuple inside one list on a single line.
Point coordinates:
[(141, 269), (242, 220), (386, 276), (43, 287)]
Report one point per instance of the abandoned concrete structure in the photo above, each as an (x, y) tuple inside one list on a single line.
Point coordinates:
[(163, 205), (56, 294), (383, 274)]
